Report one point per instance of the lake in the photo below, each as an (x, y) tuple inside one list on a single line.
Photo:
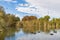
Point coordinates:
[(20, 35)]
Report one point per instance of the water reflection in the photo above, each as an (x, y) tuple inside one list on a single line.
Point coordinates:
[(42, 36), (20, 35), (10, 37), (2, 36), (7, 35)]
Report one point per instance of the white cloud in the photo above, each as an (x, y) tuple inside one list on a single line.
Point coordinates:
[(41, 7), (25, 9), (17, 15), (26, 5), (45, 3), (32, 10)]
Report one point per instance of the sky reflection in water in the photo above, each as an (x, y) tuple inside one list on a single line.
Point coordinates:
[(39, 36)]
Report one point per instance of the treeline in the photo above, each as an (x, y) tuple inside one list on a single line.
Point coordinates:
[(29, 24), (7, 20), (32, 24)]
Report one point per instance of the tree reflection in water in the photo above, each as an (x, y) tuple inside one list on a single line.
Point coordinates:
[(8, 33)]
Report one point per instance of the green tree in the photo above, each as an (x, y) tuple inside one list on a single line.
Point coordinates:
[(41, 22), (46, 22), (11, 22)]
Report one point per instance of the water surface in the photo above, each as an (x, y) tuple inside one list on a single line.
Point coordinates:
[(20, 35)]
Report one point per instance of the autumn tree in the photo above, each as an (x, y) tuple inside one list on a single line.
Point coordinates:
[(29, 18)]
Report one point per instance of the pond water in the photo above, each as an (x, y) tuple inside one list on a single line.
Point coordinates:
[(20, 35)]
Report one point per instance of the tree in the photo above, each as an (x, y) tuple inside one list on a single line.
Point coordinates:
[(2, 12), (57, 21), (2, 18), (41, 22), (47, 17), (29, 18), (11, 22), (46, 22)]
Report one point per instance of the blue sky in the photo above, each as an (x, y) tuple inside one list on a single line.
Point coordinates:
[(10, 7), (37, 8)]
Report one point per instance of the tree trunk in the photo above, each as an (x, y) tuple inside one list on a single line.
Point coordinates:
[(57, 26), (44, 26)]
